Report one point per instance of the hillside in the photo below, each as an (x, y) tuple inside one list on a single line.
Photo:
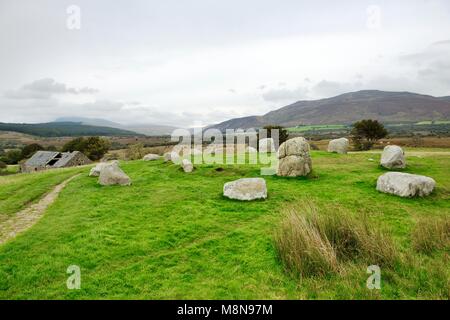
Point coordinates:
[(62, 129), (173, 235), (350, 107), (149, 129)]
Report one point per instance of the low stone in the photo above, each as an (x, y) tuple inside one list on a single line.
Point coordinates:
[(151, 157), (166, 156), (175, 157), (187, 165), (393, 157), (246, 189), (95, 171), (111, 174), (405, 184), (338, 145)]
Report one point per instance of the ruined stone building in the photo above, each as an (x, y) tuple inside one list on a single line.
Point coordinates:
[(43, 160)]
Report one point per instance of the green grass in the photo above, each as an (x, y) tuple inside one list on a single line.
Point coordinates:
[(317, 127), (173, 235), (20, 190), (10, 169)]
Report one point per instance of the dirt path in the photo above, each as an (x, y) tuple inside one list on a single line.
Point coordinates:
[(27, 217)]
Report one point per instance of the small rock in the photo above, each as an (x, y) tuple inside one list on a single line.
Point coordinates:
[(151, 157), (112, 174), (246, 189), (393, 157), (338, 145), (187, 165), (95, 171), (405, 184), (166, 156), (175, 157)]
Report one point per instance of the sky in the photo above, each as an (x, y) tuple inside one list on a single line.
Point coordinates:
[(197, 62)]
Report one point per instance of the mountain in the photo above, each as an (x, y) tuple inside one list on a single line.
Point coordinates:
[(147, 129), (89, 121), (63, 129), (350, 107)]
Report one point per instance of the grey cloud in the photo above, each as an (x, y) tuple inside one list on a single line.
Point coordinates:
[(285, 95), (325, 88), (44, 89)]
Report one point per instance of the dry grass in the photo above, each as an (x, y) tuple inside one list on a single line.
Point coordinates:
[(301, 246), (311, 242), (431, 234)]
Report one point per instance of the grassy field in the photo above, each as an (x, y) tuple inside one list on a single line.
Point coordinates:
[(172, 235), (20, 190)]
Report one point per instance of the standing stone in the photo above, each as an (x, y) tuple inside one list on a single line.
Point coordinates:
[(393, 157), (112, 174), (175, 157), (405, 184), (187, 165), (246, 189), (166, 156), (266, 145), (338, 145), (151, 157), (294, 159), (95, 171)]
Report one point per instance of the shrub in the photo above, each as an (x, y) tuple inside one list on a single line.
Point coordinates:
[(12, 156), (2, 165), (366, 132), (30, 149), (283, 134), (135, 151), (93, 147), (310, 242), (431, 234)]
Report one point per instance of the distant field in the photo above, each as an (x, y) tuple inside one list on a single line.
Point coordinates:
[(432, 122), (317, 127), (172, 235)]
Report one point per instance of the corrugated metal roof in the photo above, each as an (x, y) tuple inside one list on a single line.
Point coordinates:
[(65, 157), (41, 158)]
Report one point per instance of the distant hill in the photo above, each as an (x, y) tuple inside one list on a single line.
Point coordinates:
[(147, 129), (388, 107), (64, 129)]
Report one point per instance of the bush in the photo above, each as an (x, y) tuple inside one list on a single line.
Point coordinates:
[(283, 134), (31, 149), (431, 234), (135, 151), (93, 147), (366, 133), (12, 156), (312, 243), (3, 165)]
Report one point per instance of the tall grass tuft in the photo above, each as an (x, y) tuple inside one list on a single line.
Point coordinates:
[(302, 248), (431, 234), (312, 242)]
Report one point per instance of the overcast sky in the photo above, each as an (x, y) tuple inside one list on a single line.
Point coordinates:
[(196, 62)]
